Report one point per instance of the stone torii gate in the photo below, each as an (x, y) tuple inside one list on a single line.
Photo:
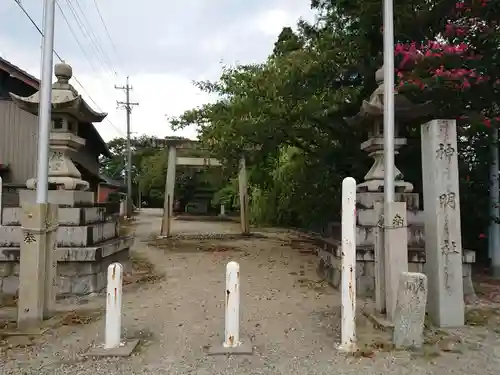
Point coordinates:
[(173, 161)]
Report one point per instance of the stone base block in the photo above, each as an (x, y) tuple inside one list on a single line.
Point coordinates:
[(69, 198), (68, 216), (365, 235), (78, 236), (124, 350), (80, 271), (366, 217), (367, 200), (245, 348)]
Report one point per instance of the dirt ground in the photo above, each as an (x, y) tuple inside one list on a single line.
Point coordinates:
[(174, 303)]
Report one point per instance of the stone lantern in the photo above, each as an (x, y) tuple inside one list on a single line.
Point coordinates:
[(371, 114), (69, 111)]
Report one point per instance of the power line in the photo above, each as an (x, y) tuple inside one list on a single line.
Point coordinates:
[(62, 60), (87, 34), (76, 38), (96, 38), (107, 31)]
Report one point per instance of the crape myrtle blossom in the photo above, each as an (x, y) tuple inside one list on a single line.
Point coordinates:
[(460, 70)]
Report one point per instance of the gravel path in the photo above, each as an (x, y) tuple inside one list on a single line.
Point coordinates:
[(292, 319)]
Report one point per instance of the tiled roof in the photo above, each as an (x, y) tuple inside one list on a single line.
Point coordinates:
[(20, 74)]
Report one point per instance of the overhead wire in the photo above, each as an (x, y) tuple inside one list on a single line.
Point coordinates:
[(113, 45), (97, 41), (76, 38), (33, 22), (93, 45)]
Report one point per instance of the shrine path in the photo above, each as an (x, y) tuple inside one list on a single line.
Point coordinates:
[(292, 318)]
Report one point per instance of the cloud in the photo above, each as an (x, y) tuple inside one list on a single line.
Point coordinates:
[(162, 45)]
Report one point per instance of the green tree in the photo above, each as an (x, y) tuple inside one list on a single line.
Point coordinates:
[(286, 115)]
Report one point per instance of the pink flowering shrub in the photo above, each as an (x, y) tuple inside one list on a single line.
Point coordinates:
[(459, 71)]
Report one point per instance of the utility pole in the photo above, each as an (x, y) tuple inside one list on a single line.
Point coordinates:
[(45, 108), (128, 109)]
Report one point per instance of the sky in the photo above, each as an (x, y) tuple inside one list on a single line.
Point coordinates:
[(162, 45)]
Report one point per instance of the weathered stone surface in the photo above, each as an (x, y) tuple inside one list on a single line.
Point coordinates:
[(395, 251), (86, 235), (409, 315), (78, 236), (68, 216), (6, 269), (368, 217), (76, 254), (63, 285), (367, 200), (10, 285), (378, 249), (32, 265), (61, 197), (85, 275), (365, 235), (83, 285), (329, 270), (443, 243)]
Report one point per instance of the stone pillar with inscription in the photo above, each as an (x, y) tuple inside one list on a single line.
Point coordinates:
[(443, 240), (409, 317), (389, 230), (395, 252)]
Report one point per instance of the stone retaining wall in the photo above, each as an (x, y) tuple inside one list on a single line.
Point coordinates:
[(329, 266)]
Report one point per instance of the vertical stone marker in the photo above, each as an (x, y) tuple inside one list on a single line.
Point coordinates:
[(395, 252), (443, 240), (409, 316), (378, 248), (50, 290), (243, 191), (32, 266), (168, 206), (1, 203)]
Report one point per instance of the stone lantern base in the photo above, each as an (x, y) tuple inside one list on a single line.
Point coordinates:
[(88, 240)]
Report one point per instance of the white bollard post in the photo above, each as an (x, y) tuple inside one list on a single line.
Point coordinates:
[(232, 298), (112, 337), (348, 298)]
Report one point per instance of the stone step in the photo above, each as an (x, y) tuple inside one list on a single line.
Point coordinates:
[(67, 236), (69, 216), (365, 235)]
